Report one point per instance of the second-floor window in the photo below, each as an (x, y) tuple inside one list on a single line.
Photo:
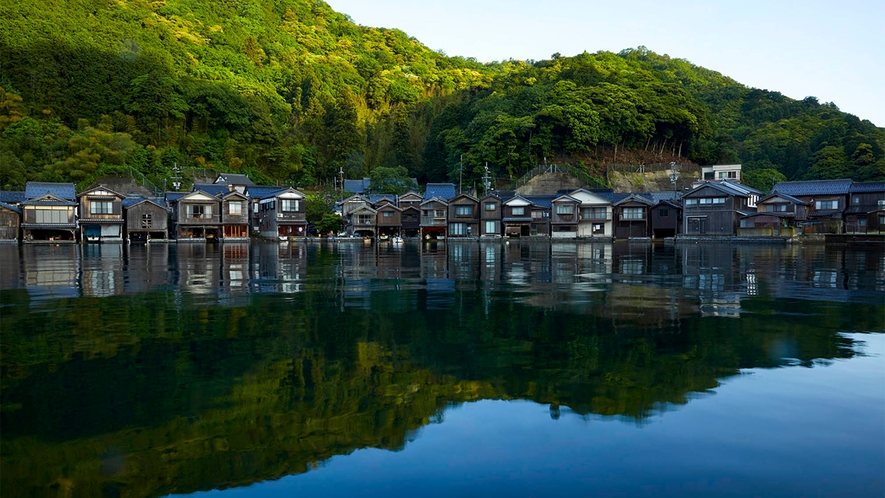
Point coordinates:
[(51, 216), (101, 207), (632, 213), (147, 221), (776, 208), (387, 214), (439, 213), (518, 211), (491, 206), (565, 209), (289, 205), (597, 213), (664, 213), (235, 208), (199, 211), (463, 210), (834, 204)]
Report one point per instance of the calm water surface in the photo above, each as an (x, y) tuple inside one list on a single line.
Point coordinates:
[(455, 369)]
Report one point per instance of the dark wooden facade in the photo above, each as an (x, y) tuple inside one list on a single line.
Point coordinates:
[(196, 217), (517, 217), (389, 219), (433, 218), (490, 216), (564, 217), (10, 223), (145, 220), (234, 216), (463, 213), (865, 200), (411, 221), (712, 209), (666, 219), (631, 217), (283, 215)]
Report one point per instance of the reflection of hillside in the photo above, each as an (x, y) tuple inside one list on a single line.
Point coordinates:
[(219, 396)]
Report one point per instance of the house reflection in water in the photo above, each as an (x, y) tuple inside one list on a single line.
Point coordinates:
[(102, 270)]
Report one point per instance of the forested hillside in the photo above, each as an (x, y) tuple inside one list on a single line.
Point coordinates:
[(290, 91)]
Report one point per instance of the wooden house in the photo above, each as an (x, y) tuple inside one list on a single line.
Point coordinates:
[(101, 215), (713, 208), (145, 219), (866, 199), (517, 216), (490, 216), (564, 217), (195, 216), (282, 215), (389, 219), (463, 216), (10, 222), (49, 212), (255, 194), (827, 201), (540, 213), (362, 221), (666, 219), (777, 215), (631, 217), (234, 216), (433, 218), (411, 220)]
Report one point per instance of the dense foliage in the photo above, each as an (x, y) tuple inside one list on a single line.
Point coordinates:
[(292, 92)]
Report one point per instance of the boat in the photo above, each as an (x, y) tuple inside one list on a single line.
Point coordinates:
[(397, 240)]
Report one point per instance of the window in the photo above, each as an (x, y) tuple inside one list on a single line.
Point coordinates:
[(776, 208), (439, 213), (881, 203), (538, 214), (255, 208), (199, 211), (101, 207), (235, 208), (862, 222), (51, 216), (719, 200), (458, 228), (598, 213), (728, 174), (492, 227), (711, 200), (691, 202), (289, 205), (598, 229), (491, 206), (147, 221), (826, 204), (463, 210), (855, 200), (518, 211), (664, 213), (632, 213), (387, 214), (565, 209)]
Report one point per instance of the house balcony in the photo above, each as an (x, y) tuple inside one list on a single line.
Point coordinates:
[(200, 219), (433, 221), (291, 216)]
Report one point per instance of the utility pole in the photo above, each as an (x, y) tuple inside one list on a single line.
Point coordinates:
[(341, 175), (460, 174)]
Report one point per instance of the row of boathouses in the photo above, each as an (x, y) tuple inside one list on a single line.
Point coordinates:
[(232, 208)]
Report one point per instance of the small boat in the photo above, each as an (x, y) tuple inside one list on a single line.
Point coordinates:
[(397, 240)]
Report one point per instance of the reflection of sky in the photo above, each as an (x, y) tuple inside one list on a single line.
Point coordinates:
[(781, 432)]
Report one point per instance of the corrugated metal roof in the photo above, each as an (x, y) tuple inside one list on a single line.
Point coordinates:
[(442, 190), (61, 190), (814, 187)]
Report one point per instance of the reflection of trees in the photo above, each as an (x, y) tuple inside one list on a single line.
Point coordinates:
[(221, 396)]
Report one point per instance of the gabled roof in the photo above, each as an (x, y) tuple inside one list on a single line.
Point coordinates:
[(373, 198), (10, 207), (261, 191), (364, 208), (740, 187), (233, 179), (662, 195), (174, 196), (63, 191), (357, 186), (101, 187), (198, 193), (436, 199), (790, 198), (604, 195), (212, 188), (814, 187), (864, 187), (233, 193), (411, 193), (635, 198), (441, 190), (12, 196), (466, 196), (128, 202), (389, 206), (565, 198), (669, 203), (725, 189)]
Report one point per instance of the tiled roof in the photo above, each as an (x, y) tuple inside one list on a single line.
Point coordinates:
[(775, 193), (212, 188), (262, 192), (814, 187), (740, 187), (859, 187), (174, 196), (60, 190), (717, 186), (356, 186), (234, 179), (12, 196), (544, 201), (442, 190), (9, 206), (131, 201), (373, 198)]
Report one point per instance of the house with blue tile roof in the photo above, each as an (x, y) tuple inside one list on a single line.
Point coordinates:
[(564, 217), (196, 217), (777, 215), (234, 216), (828, 200), (632, 217), (12, 197), (49, 213), (714, 208), (666, 218), (444, 191), (146, 219), (10, 222), (283, 215)]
